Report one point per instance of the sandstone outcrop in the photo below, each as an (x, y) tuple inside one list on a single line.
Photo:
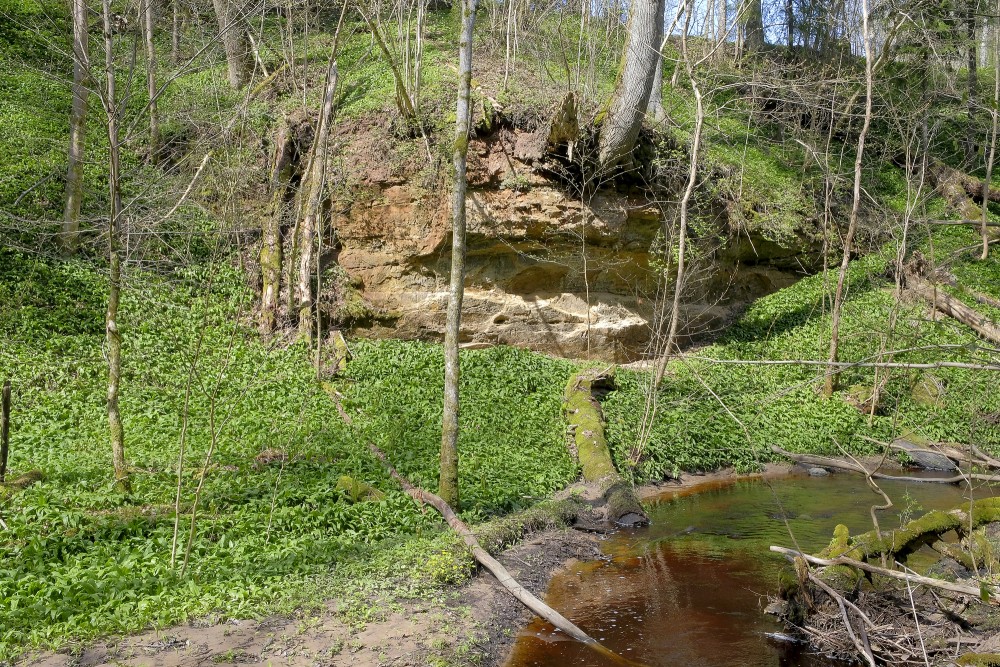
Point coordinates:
[(546, 271)]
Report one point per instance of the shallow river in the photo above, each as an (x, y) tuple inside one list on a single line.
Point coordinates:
[(690, 588)]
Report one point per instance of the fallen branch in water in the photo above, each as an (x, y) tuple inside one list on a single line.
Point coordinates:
[(893, 574), (846, 364), (523, 595), (827, 462)]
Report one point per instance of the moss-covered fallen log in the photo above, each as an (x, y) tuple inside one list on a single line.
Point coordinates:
[(583, 413), (926, 529)]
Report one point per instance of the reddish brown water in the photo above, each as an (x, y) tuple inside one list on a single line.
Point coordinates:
[(690, 589)]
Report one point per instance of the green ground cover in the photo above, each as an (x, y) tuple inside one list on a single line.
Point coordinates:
[(81, 559)]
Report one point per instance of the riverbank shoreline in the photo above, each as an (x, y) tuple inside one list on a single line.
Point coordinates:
[(475, 622)]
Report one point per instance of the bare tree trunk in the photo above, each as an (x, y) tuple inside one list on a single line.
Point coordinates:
[(509, 45), (988, 181), (753, 26), (77, 129), (973, 61), (146, 21), (270, 249), (175, 32), (852, 224), (621, 125), (655, 108), (113, 334), (723, 28), (448, 482), (234, 42), (789, 24), (316, 176)]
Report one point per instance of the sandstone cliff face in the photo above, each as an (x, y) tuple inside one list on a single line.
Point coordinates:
[(545, 271)]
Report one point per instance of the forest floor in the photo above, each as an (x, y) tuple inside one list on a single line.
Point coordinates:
[(476, 622), (279, 533)]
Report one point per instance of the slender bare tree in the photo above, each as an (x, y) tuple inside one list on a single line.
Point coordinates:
[(146, 20), (448, 481), (77, 129), (987, 182), (852, 224), (112, 331), (310, 220)]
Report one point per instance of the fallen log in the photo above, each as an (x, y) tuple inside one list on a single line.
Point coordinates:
[(950, 185), (973, 456), (954, 184), (583, 412), (827, 462), (523, 595), (954, 308), (894, 574), (925, 458), (985, 299)]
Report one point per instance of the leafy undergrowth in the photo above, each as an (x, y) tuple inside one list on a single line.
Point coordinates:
[(513, 451), (273, 532), (710, 415)]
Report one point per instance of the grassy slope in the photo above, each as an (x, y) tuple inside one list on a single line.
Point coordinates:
[(711, 415), (80, 560)]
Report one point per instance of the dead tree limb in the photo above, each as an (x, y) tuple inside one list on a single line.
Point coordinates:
[(954, 308), (885, 572), (826, 462), (494, 566), (863, 648)]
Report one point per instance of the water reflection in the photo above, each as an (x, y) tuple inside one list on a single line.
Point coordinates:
[(690, 589)]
